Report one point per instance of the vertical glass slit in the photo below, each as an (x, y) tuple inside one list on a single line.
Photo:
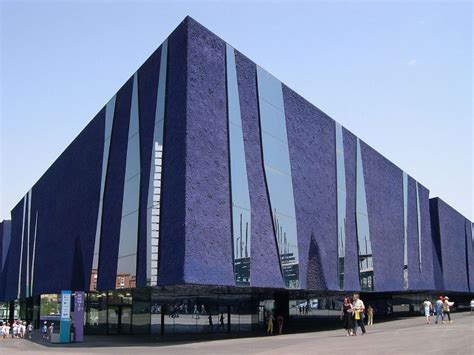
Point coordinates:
[(240, 196)]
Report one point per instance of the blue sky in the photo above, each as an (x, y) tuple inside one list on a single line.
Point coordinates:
[(398, 75)]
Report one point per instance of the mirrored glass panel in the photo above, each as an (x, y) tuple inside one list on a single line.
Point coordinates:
[(364, 246), (341, 203), (127, 262), (418, 218), (109, 118), (405, 230), (277, 169), (154, 187), (241, 215)]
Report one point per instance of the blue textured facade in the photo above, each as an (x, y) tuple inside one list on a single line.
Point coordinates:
[(55, 224), (453, 256)]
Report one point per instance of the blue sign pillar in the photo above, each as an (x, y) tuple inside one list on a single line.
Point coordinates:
[(65, 324)]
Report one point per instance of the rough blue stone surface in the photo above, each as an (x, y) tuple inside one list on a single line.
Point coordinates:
[(264, 265), (311, 140), (208, 212), (452, 236), (12, 262), (419, 279), (61, 227), (470, 254), (195, 225), (383, 187)]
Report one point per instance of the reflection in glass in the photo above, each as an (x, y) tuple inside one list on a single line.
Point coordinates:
[(127, 255), (96, 315), (22, 240), (154, 187), (34, 255), (277, 169), (418, 218), (241, 215), (405, 230), (341, 203), (364, 245), (109, 118)]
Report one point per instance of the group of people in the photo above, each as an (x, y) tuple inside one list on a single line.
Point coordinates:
[(441, 310), (353, 315), (270, 320), (17, 330)]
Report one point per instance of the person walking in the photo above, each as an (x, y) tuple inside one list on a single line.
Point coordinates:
[(447, 309), (14, 330), (270, 324), (210, 325), (30, 330), (50, 332), (358, 310), (221, 322), (427, 310), (280, 321), (439, 310), (370, 315), (6, 332), (346, 316), (45, 330)]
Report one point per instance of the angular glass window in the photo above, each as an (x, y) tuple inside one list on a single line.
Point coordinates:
[(341, 204), (418, 218), (364, 245), (154, 187), (241, 212), (128, 242), (277, 168), (405, 230), (109, 119)]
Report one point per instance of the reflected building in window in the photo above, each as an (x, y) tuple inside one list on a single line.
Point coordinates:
[(364, 244), (405, 230), (240, 211), (277, 168), (341, 204)]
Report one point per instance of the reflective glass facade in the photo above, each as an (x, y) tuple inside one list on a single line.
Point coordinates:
[(405, 230), (127, 255), (277, 169), (241, 212), (418, 222), (364, 245), (341, 203), (109, 119), (154, 189)]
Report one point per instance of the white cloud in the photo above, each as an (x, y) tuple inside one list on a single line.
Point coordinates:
[(412, 62)]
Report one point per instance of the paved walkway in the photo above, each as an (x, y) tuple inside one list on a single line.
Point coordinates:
[(404, 336)]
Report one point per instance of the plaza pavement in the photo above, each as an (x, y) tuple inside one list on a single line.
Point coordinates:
[(403, 336)]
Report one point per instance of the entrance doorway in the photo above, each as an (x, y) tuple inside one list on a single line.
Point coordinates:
[(119, 319)]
